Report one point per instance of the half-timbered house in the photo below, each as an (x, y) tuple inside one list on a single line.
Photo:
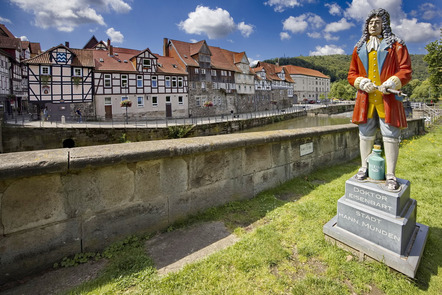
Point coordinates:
[(155, 85), (273, 84), (61, 80)]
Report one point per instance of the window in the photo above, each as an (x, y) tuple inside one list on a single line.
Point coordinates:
[(77, 72), (180, 100), (213, 72), (154, 101), (123, 80), (139, 81), (196, 70), (154, 81), (180, 81), (167, 99), (173, 81), (167, 81), (198, 101), (107, 80), (140, 101), (203, 71), (45, 70), (146, 63), (203, 85), (107, 101)]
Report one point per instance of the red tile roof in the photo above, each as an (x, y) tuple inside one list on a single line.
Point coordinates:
[(116, 62), (296, 70), (4, 32), (82, 57), (168, 65), (186, 50)]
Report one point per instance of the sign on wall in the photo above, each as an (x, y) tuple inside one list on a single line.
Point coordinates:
[(306, 148)]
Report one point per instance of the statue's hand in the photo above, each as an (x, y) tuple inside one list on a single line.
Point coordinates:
[(367, 86), (387, 85)]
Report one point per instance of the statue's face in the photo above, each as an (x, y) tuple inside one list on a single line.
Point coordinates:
[(375, 26)]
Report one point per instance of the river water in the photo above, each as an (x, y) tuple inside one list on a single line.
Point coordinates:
[(305, 122)]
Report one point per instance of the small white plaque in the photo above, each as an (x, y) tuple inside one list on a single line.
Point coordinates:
[(306, 148)]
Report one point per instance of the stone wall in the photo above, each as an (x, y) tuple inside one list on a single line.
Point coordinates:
[(55, 203), (19, 139)]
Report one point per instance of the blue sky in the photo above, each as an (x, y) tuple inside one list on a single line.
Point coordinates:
[(262, 28)]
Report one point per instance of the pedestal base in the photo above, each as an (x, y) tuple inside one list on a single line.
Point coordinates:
[(407, 264)]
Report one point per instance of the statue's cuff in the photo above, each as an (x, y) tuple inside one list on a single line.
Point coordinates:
[(396, 82), (357, 82)]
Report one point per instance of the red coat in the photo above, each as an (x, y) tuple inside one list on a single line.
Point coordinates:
[(393, 61)]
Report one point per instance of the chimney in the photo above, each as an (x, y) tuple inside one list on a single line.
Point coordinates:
[(111, 50), (108, 43), (165, 47), (66, 43)]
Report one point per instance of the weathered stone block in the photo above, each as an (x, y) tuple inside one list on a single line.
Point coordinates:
[(32, 202), (373, 195), (36, 249), (383, 229), (257, 158), (102, 229)]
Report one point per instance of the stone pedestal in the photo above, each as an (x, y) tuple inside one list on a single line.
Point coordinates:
[(380, 224)]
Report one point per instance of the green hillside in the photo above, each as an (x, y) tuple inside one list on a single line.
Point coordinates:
[(336, 66)]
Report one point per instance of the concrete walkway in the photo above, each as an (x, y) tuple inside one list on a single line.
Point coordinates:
[(170, 251)]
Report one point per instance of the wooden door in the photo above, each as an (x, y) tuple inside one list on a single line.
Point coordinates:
[(108, 112), (168, 110)]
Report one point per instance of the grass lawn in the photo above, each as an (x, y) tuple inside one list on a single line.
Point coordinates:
[(282, 248)]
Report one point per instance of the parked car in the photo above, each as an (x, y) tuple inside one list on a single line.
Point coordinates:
[(311, 101)]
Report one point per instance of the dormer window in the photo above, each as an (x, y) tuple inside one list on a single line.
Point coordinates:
[(146, 63)]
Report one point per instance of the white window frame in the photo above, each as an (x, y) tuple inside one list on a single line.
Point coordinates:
[(168, 99), (124, 78), (140, 101), (108, 101), (203, 71), (180, 100), (197, 71), (45, 70), (167, 81), (180, 81), (213, 73), (154, 81), (174, 82), (147, 63), (154, 101), (139, 81), (108, 78), (77, 72)]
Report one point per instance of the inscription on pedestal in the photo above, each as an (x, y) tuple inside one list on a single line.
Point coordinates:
[(387, 231), (372, 195)]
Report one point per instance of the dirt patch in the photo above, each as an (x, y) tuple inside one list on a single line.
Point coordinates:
[(57, 281)]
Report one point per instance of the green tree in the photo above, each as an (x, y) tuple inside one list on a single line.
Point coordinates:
[(409, 88), (422, 91), (434, 61), (342, 89)]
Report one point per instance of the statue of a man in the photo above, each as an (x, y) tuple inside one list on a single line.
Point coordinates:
[(380, 62)]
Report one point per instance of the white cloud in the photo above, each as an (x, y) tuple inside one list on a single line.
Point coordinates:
[(413, 31), (334, 9), (214, 23), (193, 41), (5, 20), (24, 38), (253, 62), (338, 26), (359, 9), (327, 50), (330, 37), (314, 35), (284, 36), (114, 35), (245, 29), (281, 5), (66, 15), (300, 23)]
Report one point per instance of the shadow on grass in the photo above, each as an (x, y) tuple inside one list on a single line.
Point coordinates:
[(431, 259)]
